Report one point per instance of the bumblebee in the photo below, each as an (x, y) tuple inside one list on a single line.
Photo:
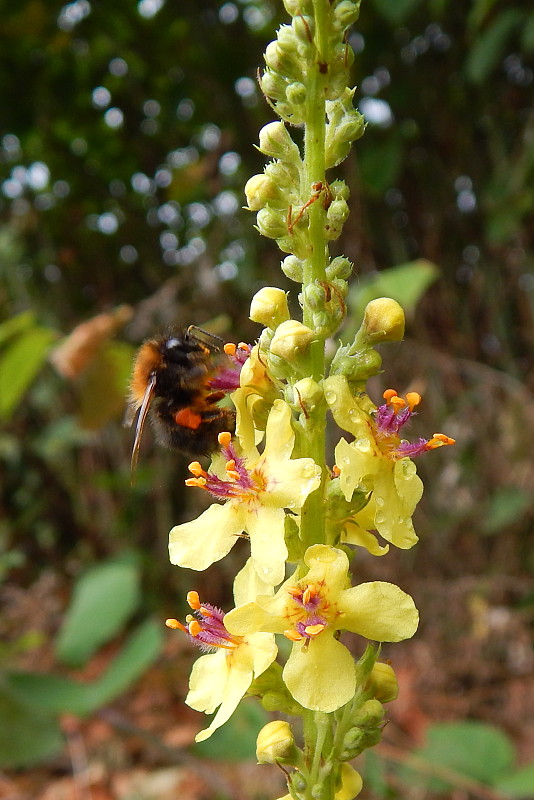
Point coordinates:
[(171, 385)]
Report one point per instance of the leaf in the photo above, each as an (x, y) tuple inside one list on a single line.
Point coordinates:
[(488, 48), (405, 283), (519, 784), (55, 694), (236, 740), (507, 505), (396, 11), (380, 164), (103, 386), (469, 749), (20, 360), (27, 735), (16, 324), (104, 598)]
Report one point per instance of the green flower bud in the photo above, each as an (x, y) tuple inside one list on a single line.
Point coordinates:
[(346, 13), (304, 27), (339, 267), (337, 213), (286, 176), (356, 365), (271, 223), (290, 113), (294, 7), (275, 744), (296, 93), (384, 682), (287, 40), (261, 190), (340, 190), (276, 142), (269, 307), (273, 85), (291, 340), (293, 268), (285, 62), (321, 322), (351, 127), (313, 297), (307, 395)]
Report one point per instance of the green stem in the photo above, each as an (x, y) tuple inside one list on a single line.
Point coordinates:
[(314, 175)]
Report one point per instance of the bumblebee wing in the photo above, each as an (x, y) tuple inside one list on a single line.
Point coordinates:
[(143, 411)]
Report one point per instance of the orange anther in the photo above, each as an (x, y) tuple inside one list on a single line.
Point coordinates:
[(389, 394), (196, 469), (175, 625), (200, 482), (230, 348), (194, 627), (193, 600), (293, 635), (314, 630), (294, 591), (336, 472), (440, 439), (413, 399), (224, 438)]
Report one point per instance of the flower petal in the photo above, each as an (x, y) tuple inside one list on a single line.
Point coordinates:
[(379, 611), (206, 539), (321, 676), (207, 682), (268, 550), (248, 585), (393, 517), (238, 680), (357, 465)]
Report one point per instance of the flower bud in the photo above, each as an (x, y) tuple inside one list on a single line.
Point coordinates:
[(269, 307), (307, 394), (337, 213), (383, 321), (293, 268), (275, 743), (286, 176), (346, 13), (261, 191), (351, 127), (273, 85), (384, 681), (304, 27), (296, 93), (286, 39), (313, 297), (340, 190), (358, 365), (291, 339), (339, 267), (284, 60), (271, 223), (294, 7), (275, 141)]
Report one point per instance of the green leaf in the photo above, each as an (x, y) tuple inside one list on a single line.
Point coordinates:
[(52, 693), (468, 749), (405, 283), (507, 505), (380, 164), (488, 48), (27, 735), (520, 784), (103, 385), (104, 598), (16, 324), (20, 360), (236, 740), (396, 11)]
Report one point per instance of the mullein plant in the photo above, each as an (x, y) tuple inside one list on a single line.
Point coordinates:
[(303, 519)]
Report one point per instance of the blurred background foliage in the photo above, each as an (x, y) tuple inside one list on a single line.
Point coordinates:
[(126, 137)]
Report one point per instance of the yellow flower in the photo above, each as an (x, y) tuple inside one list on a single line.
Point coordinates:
[(378, 461), (221, 678), (256, 488), (320, 671)]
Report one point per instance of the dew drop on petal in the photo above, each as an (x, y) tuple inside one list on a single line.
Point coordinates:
[(380, 517), (363, 445), (330, 397), (380, 502)]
